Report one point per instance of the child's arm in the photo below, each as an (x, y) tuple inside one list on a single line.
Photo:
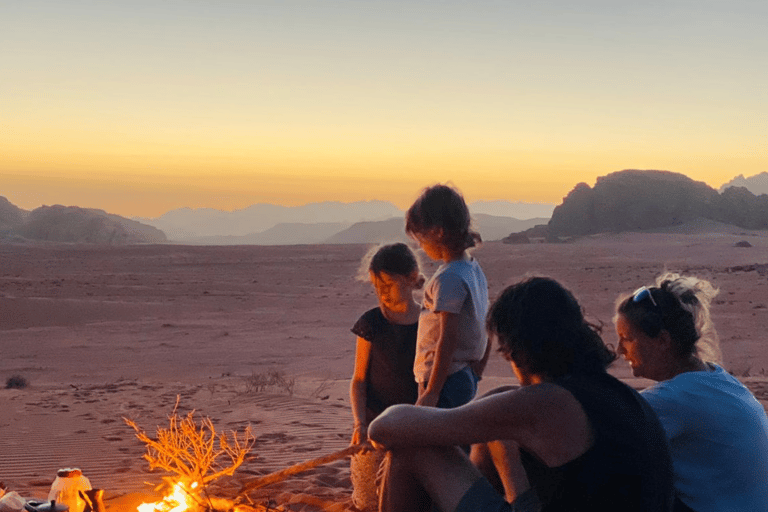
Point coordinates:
[(446, 346), (357, 390)]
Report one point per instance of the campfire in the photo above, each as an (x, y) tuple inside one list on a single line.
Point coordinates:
[(180, 499), (196, 455)]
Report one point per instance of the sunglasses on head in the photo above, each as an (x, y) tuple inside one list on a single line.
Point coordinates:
[(643, 293)]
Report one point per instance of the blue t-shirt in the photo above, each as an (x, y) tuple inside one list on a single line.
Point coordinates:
[(718, 438)]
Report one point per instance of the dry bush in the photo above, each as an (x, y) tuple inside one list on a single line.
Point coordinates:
[(320, 391), (194, 451), (260, 382), (16, 382)]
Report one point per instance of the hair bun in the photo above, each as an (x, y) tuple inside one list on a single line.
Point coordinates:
[(688, 289), (695, 296)]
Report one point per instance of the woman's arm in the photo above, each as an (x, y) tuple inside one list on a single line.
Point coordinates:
[(544, 419), (446, 347), (357, 390)]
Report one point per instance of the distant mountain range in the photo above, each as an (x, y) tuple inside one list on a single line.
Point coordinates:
[(391, 230), (260, 224), (757, 184), (269, 224), (627, 200), (187, 223)]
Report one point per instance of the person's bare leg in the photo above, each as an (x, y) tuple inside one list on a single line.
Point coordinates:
[(508, 468), (481, 458), (400, 490), (415, 475)]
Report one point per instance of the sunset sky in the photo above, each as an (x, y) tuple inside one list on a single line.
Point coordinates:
[(142, 107)]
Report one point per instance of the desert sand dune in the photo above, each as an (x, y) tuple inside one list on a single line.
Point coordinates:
[(105, 333)]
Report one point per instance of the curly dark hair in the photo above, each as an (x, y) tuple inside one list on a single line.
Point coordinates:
[(540, 326), (442, 206)]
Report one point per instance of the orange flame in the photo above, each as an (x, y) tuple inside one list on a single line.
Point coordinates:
[(178, 500)]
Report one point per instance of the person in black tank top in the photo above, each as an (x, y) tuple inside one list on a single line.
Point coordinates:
[(571, 438)]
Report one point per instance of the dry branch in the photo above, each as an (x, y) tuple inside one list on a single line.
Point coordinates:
[(301, 467)]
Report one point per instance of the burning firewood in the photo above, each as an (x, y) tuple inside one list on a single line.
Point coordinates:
[(196, 454)]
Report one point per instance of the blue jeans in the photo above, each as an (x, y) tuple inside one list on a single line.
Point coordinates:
[(459, 388)]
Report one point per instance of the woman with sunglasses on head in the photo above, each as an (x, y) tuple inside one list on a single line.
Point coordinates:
[(717, 430)]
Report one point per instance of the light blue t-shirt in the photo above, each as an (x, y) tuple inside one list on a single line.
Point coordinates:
[(718, 437), (457, 287)]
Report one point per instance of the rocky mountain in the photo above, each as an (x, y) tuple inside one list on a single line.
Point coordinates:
[(635, 200), (390, 230), (71, 224), (757, 184), (11, 216)]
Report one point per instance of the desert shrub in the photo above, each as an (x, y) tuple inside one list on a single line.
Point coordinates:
[(320, 391), (274, 379), (16, 382)]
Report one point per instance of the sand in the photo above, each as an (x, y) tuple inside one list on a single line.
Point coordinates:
[(103, 333)]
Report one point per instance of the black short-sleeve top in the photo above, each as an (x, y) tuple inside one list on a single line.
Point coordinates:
[(390, 366)]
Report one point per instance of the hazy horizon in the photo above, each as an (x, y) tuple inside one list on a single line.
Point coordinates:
[(482, 206), (141, 107), (486, 202)]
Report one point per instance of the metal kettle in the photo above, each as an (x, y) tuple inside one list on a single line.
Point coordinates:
[(45, 506)]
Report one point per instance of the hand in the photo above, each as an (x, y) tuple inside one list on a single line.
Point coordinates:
[(359, 434), (478, 367), (428, 399), (376, 446)]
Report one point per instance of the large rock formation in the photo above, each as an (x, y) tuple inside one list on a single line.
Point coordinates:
[(11, 216), (71, 224), (740, 207), (635, 200), (630, 201)]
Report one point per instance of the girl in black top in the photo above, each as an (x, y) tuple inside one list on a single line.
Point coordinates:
[(386, 345)]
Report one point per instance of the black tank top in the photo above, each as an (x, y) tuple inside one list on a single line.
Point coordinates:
[(627, 469)]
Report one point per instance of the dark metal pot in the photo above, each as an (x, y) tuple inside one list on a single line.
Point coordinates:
[(45, 506)]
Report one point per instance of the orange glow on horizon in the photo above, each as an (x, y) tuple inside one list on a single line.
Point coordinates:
[(147, 173)]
